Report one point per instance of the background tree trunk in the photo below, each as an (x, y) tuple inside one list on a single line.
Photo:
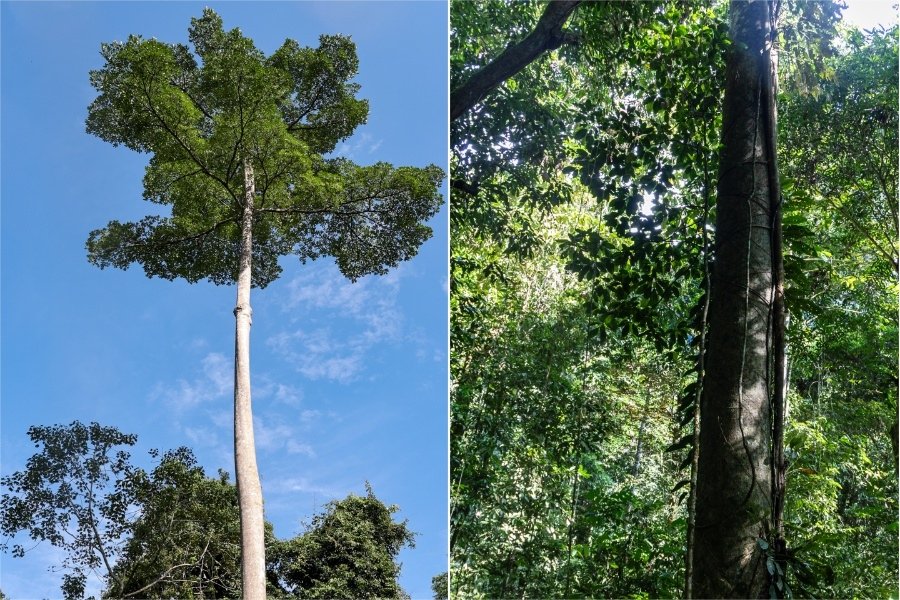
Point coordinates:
[(253, 557), (698, 399), (734, 477)]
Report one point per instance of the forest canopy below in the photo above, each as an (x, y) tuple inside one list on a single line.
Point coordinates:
[(583, 242), (174, 532)]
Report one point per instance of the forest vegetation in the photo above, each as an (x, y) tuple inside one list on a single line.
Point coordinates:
[(595, 248), (174, 532)]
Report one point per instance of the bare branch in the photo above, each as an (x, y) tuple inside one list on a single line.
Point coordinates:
[(158, 579)]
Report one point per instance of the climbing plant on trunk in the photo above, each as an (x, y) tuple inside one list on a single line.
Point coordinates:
[(239, 143), (735, 470)]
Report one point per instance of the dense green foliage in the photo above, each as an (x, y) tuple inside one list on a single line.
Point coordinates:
[(841, 154), (185, 542), (582, 219), (439, 585), (207, 115), (349, 551), (173, 532)]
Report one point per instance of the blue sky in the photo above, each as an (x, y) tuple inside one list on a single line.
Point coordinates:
[(350, 380)]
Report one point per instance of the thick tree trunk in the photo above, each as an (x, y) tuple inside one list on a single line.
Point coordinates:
[(734, 474), (253, 557)]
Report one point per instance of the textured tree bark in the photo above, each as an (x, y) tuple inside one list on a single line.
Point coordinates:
[(734, 474), (547, 35), (253, 558), (779, 317)]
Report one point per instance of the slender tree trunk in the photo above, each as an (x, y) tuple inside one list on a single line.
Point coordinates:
[(895, 443), (701, 374), (779, 317), (640, 438), (253, 557), (734, 476)]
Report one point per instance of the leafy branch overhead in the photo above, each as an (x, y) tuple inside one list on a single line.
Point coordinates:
[(548, 34), (203, 114)]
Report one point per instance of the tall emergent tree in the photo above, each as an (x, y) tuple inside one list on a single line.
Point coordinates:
[(734, 512), (238, 143)]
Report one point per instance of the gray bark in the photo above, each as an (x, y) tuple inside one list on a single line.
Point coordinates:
[(734, 475), (253, 557)]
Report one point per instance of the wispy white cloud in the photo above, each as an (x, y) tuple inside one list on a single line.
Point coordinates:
[(301, 485), (203, 436), (308, 415), (270, 437), (319, 353), (276, 436), (363, 143), (266, 388), (295, 447), (288, 394), (214, 381)]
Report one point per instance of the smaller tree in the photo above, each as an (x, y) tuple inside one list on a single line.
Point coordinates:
[(350, 551), (186, 542), (76, 494), (440, 586)]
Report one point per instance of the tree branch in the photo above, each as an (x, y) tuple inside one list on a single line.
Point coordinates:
[(464, 186), (183, 145), (193, 100), (548, 34), (90, 506), (158, 579), (187, 238), (295, 124)]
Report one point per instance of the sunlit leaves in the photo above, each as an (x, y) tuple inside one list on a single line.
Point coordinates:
[(205, 117), (75, 494), (348, 551), (840, 231)]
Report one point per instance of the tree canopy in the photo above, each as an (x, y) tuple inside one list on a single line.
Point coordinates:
[(349, 551), (174, 532), (204, 114)]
